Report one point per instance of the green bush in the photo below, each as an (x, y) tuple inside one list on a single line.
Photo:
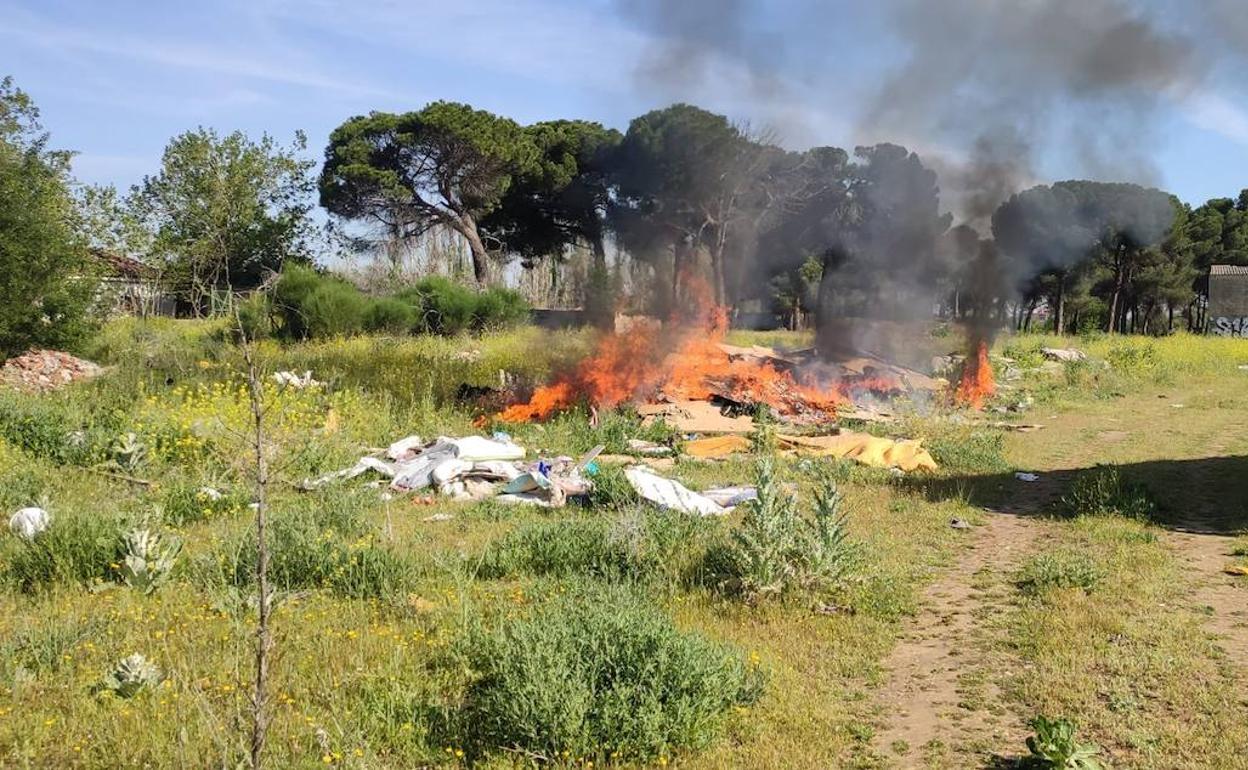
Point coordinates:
[(1133, 357), (1105, 491), (498, 309), (444, 306), (389, 315), (1062, 568), (597, 673), (335, 309), (303, 555), (83, 548), (565, 548), (306, 304), (641, 545), (54, 429), (254, 318), (964, 449)]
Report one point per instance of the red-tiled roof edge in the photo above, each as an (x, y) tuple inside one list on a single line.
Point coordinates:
[(122, 265)]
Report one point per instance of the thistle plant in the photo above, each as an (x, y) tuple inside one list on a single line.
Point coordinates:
[(830, 556), (128, 451), (776, 548), (764, 544), (149, 559), (130, 676)]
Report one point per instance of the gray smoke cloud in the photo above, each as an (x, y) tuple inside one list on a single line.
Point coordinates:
[(984, 90), (999, 84)]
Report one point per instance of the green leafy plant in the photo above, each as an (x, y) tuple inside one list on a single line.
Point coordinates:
[(1054, 746), (1063, 568), (775, 549), (1105, 491), (129, 677), (74, 549), (310, 550), (128, 451), (150, 558)]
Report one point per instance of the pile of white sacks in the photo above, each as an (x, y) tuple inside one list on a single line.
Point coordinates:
[(471, 468)]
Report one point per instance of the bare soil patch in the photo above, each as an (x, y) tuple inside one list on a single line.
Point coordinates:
[(935, 696)]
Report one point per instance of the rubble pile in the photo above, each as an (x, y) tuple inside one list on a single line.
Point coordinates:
[(41, 371)]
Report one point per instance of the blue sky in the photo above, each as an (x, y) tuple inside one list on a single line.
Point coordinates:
[(115, 80)]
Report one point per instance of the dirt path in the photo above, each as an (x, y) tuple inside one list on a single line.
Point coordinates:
[(934, 698), (1205, 556)]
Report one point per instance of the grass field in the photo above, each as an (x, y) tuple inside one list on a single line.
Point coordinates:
[(597, 635)]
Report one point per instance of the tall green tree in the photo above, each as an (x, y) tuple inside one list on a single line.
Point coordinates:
[(45, 287), (682, 175), (445, 166), (224, 212), (1043, 241), (109, 223), (881, 243), (1129, 222), (560, 201), (1218, 231)]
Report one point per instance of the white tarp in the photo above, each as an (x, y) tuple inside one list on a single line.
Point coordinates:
[(670, 494)]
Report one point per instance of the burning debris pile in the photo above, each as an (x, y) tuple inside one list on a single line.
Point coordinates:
[(685, 366)]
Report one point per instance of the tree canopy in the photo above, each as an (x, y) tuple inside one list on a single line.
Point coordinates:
[(225, 211), (45, 293), (446, 165)]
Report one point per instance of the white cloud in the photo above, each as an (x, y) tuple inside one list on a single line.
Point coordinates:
[(1214, 112), (239, 59)]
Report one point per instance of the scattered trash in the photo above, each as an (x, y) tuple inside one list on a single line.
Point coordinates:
[(731, 497), (439, 517), (29, 522), (1176, 406), (527, 482), (906, 454), (1242, 367), (298, 381), (834, 609), (716, 447), (41, 371), (957, 523), (1236, 569), (1020, 427), (696, 417), (1063, 354), (405, 448), (670, 494), (649, 448), (209, 493), (1025, 476), (471, 468)]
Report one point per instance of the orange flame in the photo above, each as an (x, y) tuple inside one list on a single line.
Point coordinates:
[(977, 383), (632, 366)]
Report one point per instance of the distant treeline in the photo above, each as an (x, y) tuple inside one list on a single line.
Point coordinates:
[(683, 192), (819, 231)]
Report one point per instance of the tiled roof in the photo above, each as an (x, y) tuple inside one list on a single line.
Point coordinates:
[(1228, 270)]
